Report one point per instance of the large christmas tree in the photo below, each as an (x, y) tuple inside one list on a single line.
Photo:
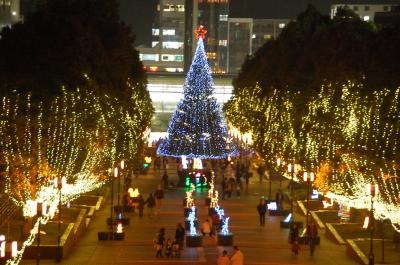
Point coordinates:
[(198, 129)]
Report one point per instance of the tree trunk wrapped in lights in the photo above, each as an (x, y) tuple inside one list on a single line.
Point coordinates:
[(197, 129)]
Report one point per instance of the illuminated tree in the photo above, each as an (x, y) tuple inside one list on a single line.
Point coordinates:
[(197, 129), (330, 108)]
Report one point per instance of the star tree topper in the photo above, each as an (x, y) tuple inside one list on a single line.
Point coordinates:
[(200, 32)]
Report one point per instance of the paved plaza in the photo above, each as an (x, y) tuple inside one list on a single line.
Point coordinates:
[(261, 245)]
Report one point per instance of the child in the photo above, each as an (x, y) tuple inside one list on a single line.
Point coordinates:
[(295, 247), (176, 249), (168, 248)]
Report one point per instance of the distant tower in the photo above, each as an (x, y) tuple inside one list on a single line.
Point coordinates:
[(213, 15)]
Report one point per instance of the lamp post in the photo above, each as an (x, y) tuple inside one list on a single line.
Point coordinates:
[(290, 170), (40, 211), (112, 200), (122, 164), (372, 191), (278, 163), (308, 178), (58, 183)]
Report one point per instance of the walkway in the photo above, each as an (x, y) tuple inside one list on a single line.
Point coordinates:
[(261, 246)]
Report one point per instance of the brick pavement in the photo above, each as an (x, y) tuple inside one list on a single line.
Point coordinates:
[(261, 246)]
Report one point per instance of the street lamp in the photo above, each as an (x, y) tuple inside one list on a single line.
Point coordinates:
[(58, 183), (112, 200), (290, 170), (122, 164), (309, 178), (372, 191), (40, 211), (278, 163)]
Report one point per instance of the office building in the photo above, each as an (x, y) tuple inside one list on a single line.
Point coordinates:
[(174, 41), (9, 12), (365, 11), (247, 35)]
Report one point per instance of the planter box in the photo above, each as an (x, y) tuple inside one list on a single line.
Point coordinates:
[(225, 240), (119, 236), (278, 212), (288, 224), (124, 221), (187, 225), (186, 212), (194, 241)]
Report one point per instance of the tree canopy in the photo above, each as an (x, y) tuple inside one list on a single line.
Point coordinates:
[(64, 42)]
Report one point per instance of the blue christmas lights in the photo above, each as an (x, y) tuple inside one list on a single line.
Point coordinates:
[(198, 129)]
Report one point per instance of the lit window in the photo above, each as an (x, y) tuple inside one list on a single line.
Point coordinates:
[(281, 25), (179, 58), (223, 17), (170, 69), (254, 36), (181, 8), (169, 57), (172, 45), (211, 55), (366, 18), (267, 36), (14, 13), (155, 32), (223, 43), (149, 57), (168, 32), (154, 44)]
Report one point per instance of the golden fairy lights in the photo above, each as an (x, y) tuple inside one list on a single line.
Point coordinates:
[(351, 135), (77, 135)]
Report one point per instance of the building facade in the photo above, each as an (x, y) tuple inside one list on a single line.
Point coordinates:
[(365, 11), (9, 13), (247, 35), (173, 40)]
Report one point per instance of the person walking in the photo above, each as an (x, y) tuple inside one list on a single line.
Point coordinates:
[(140, 205), (160, 242), (279, 199), (261, 172), (223, 188), (165, 180), (262, 209), (237, 257), (180, 235), (159, 195), (223, 259), (151, 203), (312, 234), (206, 228), (294, 238)]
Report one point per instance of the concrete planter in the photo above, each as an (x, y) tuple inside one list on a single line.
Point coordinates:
[(194, 241), (119, 236), (224, 240)]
